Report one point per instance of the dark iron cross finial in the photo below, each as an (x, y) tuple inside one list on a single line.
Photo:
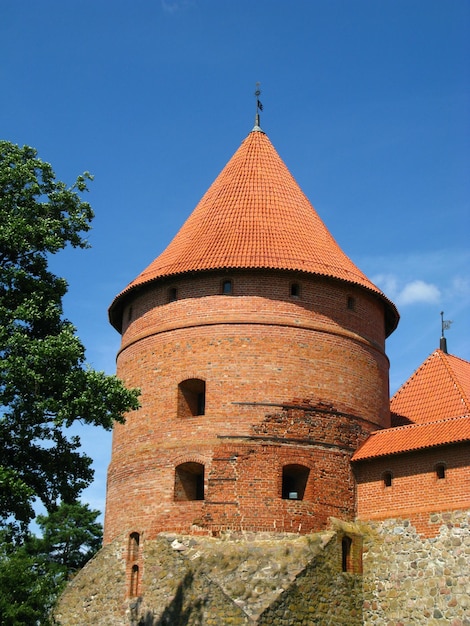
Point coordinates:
[(445, 324), (259, 106)]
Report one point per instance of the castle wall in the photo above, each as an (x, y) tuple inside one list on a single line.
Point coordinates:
[(242, 580), (409, 579), (416, 488), (405, 578), (244, 477), (97, 594), (255, 350)]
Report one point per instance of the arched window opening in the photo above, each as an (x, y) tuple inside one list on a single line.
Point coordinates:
[(440, 471), (172, 294), (189, 482), (134, 586), (295, 290), (346, 554), (133, 548), (227, 287), (294, 481), (351, 303), (191, 397), (387, 478)]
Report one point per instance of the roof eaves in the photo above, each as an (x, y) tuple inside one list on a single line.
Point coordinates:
[(392, 311), (380, 454)]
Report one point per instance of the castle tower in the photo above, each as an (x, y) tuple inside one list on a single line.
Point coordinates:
[(258, 347)]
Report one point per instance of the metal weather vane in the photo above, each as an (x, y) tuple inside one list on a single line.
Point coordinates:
[(445, 324), (257, 94), (259, 106)]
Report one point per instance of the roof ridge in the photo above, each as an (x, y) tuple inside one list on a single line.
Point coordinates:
[(445, 359), (426, 435), (420, 424), (410, 378)]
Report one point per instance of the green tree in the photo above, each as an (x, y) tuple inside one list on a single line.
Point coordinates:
[(70, 536), (33, 574), (45, 385), (27, 588)]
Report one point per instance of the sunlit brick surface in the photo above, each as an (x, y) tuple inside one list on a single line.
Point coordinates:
[(254, 305), (288, 381)]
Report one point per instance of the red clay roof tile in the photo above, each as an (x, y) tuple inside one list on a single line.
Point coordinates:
[(255, 215), (439, 389), (436, 399), (414, 437)]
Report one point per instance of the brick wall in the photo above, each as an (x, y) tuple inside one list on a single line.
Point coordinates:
[(416, 489), (260, 352)]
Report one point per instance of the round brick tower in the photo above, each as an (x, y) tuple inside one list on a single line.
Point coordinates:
[(258, 347)]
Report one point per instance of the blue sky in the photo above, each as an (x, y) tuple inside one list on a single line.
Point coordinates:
[(366, 101)]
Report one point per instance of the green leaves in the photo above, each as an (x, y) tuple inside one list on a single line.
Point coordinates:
[(70, 536), (39, 214), (45, 386), (28, 589), (33, 573), (15, 501)]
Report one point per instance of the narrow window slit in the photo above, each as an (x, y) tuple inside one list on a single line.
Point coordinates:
[(227, 287)]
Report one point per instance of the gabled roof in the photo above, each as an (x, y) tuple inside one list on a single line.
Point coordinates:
[(439, 389), (414, 437), (254, 215), (436, 400)]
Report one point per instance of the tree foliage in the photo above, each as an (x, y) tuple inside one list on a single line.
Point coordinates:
[(45, 385), (33, 574)]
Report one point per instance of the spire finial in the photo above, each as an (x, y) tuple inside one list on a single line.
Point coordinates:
[(445, 325), (259, 107)]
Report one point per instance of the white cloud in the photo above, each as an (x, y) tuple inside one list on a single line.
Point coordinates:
[(418, 291), (410, 292)]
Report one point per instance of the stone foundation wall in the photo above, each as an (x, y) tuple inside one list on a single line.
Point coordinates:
[(282, 580), (409, 579), (95, 595), (201, 581)]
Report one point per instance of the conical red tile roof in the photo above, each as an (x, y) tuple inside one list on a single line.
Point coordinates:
[(255, 215)]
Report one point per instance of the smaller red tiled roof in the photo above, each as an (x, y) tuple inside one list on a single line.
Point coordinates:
[(439, 389), (414, 437), (436, 399)]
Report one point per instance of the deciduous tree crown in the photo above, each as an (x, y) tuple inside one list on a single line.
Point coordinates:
[(45, 385)]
